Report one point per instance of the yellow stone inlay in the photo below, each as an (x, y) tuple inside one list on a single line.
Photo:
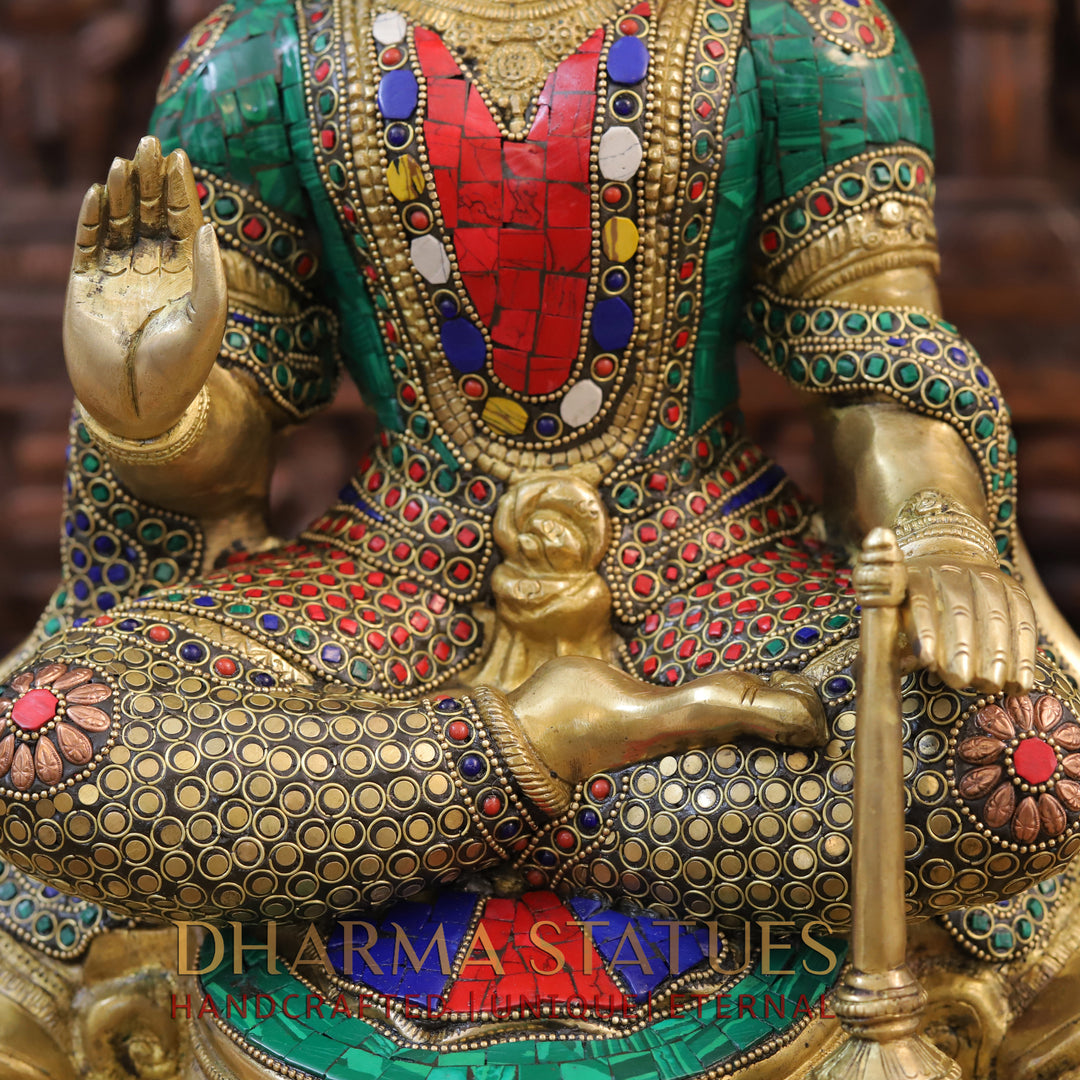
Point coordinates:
[(505, 416), (620, 239), (405, 179)]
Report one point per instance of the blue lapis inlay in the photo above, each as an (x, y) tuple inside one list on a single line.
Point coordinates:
[(471, 766), (453, 911), (463, 344), (654, 937), (628, 60), (398, 94), (613, 324)]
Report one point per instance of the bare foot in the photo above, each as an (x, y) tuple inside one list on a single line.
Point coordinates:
[(584, 716)]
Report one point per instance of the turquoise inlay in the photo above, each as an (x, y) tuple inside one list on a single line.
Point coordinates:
[(821, 105), (362, 345), (46, 918), (228, 114)]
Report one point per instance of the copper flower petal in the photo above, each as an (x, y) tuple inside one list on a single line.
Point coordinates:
[(979, 749), (74, 745), (89, 718), (5, 706), (75, 677), (999, 807), (89, 695), (1067, 736), (1068, 791), (1048, 712), (22, 683), (1022, 711), (1052, 815), (50, 766), (49, 673), (979, 781), (1026, 821), (994, 720), (1071, 765), (7, 752), (22, 768)]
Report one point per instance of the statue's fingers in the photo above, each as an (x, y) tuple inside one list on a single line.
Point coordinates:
[(956, 660), (922, 623), (148, 171), (208, 301), (182, 195), (1020, 678), (992, 618), (88, 233), (120, 188)]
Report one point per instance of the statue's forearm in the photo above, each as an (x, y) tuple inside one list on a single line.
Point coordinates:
[(878, 455)]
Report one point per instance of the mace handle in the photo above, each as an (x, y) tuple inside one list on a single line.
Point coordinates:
[(879, 1001)]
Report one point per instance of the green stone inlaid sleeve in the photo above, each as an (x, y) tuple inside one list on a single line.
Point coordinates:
[(823, 103), (847, 140), (715, 379), (232, 98), (235, 98), (229, 104)]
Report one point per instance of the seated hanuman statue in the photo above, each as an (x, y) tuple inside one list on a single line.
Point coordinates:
[(567, 641)]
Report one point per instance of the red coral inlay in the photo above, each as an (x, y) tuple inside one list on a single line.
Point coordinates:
[(508, 924), (1034, 761), (34, 710), (519, 211)]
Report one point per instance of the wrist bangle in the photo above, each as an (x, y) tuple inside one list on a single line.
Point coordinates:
[(932, 523), (161, 449), (545, 790)]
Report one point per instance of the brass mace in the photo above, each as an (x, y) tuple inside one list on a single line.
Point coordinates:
[(879, 1001)]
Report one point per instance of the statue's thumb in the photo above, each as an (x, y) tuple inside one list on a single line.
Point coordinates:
[(207, 303)]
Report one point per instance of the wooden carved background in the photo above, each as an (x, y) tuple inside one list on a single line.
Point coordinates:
[(77, 79)]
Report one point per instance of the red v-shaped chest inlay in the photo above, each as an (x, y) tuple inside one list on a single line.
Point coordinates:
[(519, 212)]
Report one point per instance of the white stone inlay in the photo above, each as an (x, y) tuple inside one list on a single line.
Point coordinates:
[(581, 403), (430, 259), (389, 28), (620, 153)]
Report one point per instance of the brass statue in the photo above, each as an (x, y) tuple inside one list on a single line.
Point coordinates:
[(568, 651)]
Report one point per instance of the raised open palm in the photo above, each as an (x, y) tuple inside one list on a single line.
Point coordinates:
[(147, 298)]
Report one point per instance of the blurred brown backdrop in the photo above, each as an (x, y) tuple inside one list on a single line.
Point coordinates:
[(77, 80)]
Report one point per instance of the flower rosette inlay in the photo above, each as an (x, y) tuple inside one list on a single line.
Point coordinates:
[(1016, 770), (55, 726)]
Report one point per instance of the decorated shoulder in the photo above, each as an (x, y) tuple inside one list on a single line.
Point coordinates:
[(857, 26), (837, 80), (232, 94)]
